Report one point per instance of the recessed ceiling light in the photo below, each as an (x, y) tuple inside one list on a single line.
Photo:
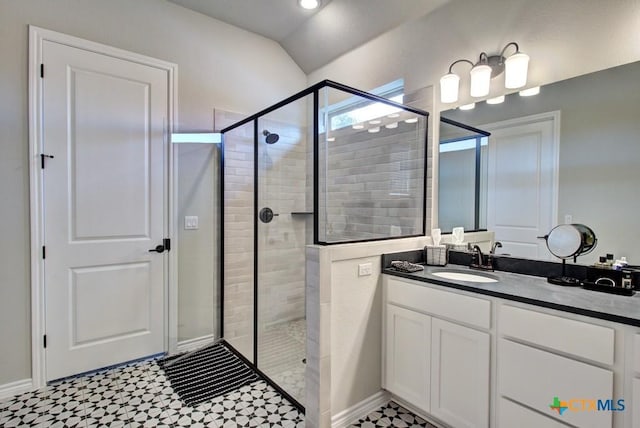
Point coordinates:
[(468, 106), (530, 92), (309, 4), (496, 100)]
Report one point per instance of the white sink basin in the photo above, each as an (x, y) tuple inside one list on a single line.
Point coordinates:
[(464, 276)]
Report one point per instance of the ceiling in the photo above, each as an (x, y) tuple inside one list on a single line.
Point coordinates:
[(315, 38)]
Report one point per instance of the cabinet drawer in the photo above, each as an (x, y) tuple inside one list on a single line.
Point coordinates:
[(534, 377), (445, 304), (636, 353), (512, 415), (577, 338)]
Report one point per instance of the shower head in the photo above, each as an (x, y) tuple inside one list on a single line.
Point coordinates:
[(272, 138)]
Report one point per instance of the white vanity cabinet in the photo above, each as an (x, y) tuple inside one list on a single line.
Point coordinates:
[(542, 356), (635, 382), (436, 356), (408, 355), (459, 374)]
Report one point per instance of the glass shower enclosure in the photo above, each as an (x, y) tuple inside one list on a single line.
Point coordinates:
[(326, 166)]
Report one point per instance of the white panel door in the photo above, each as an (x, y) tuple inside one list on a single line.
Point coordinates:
[(104, 209), (521, 193), (459, 375), (408, 354)]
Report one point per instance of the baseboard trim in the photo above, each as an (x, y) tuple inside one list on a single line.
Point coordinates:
[(359, 410), (15, 388), (193, 344)]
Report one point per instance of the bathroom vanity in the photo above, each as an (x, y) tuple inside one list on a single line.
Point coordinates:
[(497, 354)]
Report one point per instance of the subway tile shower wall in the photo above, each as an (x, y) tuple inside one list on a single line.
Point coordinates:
[(374, 185)]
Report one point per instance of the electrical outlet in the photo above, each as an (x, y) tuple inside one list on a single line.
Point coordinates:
[(191, 222), (365, 269)]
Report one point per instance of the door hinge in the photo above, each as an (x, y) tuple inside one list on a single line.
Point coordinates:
[(44, 340), (42, 71), (167, 244), (44, 252), (42, 158)]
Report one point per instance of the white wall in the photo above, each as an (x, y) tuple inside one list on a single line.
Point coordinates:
[(563, 38), (219, 66)]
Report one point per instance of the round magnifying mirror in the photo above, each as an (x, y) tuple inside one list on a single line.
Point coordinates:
[(570, 240)]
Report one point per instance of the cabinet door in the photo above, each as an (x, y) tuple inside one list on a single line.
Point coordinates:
[(408, 347), (459, 375), (635, 403)]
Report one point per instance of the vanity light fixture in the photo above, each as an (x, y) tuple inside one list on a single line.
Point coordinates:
[(514, 67), (468, 106), (309, 4), (496, 100), (530, 91)]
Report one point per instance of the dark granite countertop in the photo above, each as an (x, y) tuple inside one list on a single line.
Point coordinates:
[(537, 291)]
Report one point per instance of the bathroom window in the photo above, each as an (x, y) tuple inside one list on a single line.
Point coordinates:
[(355, 110)]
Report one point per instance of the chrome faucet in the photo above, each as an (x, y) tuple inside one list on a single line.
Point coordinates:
[(496, 244)]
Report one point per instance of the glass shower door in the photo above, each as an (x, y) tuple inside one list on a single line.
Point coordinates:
[(281, 239)]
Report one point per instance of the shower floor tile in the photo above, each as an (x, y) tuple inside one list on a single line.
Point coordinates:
[(139, 395), (282, 350)]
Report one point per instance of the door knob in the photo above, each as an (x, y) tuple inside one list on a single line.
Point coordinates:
[(158, 249)]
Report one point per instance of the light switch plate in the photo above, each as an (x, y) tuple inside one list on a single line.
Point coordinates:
[(365, 269), (191, 222)]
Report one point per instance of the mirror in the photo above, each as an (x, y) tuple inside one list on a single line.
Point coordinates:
[(570, 154)]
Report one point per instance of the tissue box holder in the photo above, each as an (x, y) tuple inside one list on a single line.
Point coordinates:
[(435, 255)]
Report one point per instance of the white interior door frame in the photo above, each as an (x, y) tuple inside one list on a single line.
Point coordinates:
[(554, 117), (36, 38)]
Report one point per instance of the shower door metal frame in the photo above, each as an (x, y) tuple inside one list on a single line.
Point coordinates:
[(315, 91)]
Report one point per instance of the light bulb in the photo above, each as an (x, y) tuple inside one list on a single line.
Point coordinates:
[(392, 125), (515, 70), (358, 126), (480, 80), (374, 130), (496, 100), (468, 106), (331, 138), (449, 86), (530, 91), (375, 122), (411, 120), (308, 4)]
